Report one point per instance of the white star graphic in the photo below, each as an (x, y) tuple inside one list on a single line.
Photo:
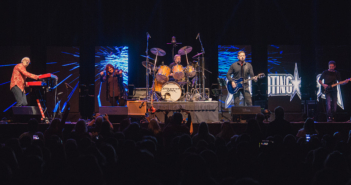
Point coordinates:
[(296, 82)]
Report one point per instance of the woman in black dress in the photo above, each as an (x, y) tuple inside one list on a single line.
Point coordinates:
[(114, 85)]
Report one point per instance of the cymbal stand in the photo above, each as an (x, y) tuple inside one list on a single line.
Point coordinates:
[(203, 69), (188, 95), (155, 96), (174, 42)]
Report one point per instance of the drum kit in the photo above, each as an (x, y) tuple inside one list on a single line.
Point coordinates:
[(182, 88)]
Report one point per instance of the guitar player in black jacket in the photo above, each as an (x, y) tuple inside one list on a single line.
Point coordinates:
[(330, 76), (241, 69)]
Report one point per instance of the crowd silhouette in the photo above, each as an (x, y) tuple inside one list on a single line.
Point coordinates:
[(143, 153)]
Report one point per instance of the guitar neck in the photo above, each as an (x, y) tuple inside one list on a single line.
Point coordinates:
[(340, 83)]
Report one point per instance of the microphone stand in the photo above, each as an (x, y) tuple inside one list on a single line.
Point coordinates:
[(203, 69), (147, 64)]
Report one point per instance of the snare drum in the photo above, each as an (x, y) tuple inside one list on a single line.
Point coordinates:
[(178, 72), (163, 73), (171, 91), (190, 71)]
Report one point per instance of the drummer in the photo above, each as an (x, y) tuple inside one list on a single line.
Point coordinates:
[(176, 61)]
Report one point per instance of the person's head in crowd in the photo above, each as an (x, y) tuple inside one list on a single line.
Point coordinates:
[(106, 127), (203, 129), (33, 125), (309, 126), (226, 131), (154, 126), (279, 113), (252, 126), (289, 140), (148, 145), (81, 127), (184, 142), (177, 118), (54, 125), (259, 117), (98, 121), (109, 152), (26, 141), (336, 161), (124, 124)]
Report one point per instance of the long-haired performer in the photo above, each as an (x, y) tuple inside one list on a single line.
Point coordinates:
[(18, 80), (114, 85)]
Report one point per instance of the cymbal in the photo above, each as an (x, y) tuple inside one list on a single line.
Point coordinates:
[(149, 66), (147, 57), (185, 49), (197, 55), (158, 51)]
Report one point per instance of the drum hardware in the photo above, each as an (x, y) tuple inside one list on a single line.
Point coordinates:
[(157, 52), (174, 42), (203, 66), (147, 57), (184, 51), (147, 71)]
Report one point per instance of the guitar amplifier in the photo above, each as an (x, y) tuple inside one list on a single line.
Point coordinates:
[(246, 110), (136, 108)]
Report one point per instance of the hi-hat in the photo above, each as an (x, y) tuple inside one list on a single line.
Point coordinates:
[(185, 50), (149, 66), (147, 57), (158, 51), (197, 55)]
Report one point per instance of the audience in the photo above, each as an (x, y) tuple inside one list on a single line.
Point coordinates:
[(279, 126), (308, 128), (139, 156)]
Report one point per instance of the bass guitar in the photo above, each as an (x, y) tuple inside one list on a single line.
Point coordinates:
[(239, 83), (330, 87)]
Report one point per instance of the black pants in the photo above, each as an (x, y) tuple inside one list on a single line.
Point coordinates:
[(20, 96), (246, 93), (117, 101), (331, 102)]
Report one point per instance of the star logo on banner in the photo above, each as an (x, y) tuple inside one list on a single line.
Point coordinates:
[(296, 82)]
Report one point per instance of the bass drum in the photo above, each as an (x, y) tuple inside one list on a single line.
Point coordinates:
[(171, 91), (163, 73)]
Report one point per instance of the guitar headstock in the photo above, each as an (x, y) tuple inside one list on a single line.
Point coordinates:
[(261, 75)]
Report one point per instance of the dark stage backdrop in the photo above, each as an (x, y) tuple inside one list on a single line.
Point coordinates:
[(64, 63)]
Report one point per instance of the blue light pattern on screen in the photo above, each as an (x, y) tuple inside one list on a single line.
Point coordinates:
[(227, 55), (116, 56)]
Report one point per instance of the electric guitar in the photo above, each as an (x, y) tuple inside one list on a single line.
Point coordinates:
[(239, 83), (330, 87)]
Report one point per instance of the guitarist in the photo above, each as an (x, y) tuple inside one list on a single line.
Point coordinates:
[(330, 76), (241, 69)]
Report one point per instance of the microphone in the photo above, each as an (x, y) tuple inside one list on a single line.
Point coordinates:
[(67, 85), (174, 40), (198, 35), (58, 94), (148, 35), (141, 105)]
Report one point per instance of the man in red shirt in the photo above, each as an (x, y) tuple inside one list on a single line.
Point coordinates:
[(18, 80)]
